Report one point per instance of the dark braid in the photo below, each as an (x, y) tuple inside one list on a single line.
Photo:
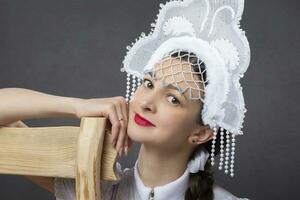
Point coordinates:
[(200, 183)]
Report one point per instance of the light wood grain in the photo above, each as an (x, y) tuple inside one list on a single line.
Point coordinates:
[(84, 153)]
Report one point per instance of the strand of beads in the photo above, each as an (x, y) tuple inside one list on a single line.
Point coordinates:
[(127, 87), (221, 149), (212, 159), (232, 155), (133, 86), (227, 151)]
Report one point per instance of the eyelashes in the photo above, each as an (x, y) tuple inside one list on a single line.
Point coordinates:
[(174, 99)]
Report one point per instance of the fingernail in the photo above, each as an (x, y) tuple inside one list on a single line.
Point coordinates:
[(121, 149), (126, 150)]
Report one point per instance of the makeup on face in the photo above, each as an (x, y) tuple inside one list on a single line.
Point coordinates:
[(142, 121)]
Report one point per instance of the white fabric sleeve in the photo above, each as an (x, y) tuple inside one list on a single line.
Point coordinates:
[(64, 189), (222, 194)]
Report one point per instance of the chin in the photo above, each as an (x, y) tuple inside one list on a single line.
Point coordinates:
[(137, 133)]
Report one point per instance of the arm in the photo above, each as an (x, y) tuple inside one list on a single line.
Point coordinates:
[(18, 104)]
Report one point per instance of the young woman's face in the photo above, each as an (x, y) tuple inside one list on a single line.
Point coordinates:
[(173, 115)]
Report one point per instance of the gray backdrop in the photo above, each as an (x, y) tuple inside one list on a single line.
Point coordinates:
[(75, 48)]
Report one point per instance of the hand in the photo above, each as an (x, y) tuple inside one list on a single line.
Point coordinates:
[(113, 108)]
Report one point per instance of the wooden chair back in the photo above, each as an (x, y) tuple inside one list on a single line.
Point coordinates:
[(84, 153)]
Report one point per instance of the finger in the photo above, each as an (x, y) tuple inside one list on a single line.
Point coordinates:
[(121, 137), (114, 120), (124, 107), (130, 143), (122, 130)]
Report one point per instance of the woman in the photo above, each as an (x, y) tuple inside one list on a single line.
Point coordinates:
[(190, 66), (170, 137)]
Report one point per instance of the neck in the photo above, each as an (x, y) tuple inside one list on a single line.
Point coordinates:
[(157, 167)]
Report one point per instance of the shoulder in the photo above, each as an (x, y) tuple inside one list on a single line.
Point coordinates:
[(111, 188), (222, 194)]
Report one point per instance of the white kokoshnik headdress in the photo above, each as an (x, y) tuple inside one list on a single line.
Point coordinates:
[(210, 29)]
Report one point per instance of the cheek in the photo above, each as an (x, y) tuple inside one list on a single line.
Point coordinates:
[(173, 125)]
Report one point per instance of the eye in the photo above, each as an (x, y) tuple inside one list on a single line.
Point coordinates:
[(147, 83), (174, 100)]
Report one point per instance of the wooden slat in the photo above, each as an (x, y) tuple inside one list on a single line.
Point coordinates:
[(38, 151), (90, 144), (48, 151)]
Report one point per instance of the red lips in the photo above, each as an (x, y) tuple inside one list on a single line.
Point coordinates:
[(142, 121)]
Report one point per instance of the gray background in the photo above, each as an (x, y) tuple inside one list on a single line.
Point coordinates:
[(75, 48)]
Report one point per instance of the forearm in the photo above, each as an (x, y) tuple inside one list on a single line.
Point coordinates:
[(19, 104)]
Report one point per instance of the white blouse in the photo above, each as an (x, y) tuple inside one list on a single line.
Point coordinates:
[(131, 187)]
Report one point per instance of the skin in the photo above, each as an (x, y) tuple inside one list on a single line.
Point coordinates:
[(166, 147)]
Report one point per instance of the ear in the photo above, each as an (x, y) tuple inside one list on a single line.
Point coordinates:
[(201, 135)]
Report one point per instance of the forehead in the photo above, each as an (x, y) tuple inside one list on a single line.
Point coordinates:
[(179, 73)]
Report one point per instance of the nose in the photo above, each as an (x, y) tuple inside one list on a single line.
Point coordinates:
[(147, 105)]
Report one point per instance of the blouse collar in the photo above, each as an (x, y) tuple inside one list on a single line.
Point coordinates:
[(174, 190)]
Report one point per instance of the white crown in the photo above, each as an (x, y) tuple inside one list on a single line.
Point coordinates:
[(211, 30)]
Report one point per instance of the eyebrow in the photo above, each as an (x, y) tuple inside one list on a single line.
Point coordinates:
[(170, 86)]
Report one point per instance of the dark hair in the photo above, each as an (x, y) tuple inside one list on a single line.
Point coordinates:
[(200, 183)]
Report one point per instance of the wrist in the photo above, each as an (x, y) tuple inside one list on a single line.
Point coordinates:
[(76, 104)]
